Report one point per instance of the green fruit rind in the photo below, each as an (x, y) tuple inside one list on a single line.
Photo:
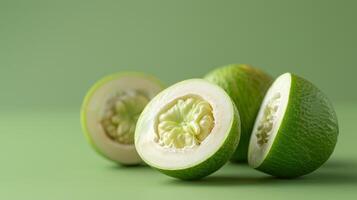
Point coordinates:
[(88, 96), (307, 135), (246, 86), (215, 161), (210, 163)]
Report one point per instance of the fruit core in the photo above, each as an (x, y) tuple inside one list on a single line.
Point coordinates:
[(121, 114), (266, 123), (184, 123)]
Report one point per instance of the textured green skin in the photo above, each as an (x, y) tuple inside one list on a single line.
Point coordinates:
[(90, 93), (214, 162), (307, 135), (246, 86)]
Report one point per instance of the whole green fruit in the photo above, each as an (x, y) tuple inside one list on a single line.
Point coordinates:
[(246, 86)]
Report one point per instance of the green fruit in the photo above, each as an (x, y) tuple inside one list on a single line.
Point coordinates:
[(110, 111), (246, 86), (296, 129), (189, 130)]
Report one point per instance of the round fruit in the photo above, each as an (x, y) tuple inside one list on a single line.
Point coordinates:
[(110, 111), (189, 130), (296, 129), (246, 86)]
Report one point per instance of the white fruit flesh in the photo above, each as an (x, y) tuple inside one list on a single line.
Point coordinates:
[(184, 125), (268, 121), (111, 111)]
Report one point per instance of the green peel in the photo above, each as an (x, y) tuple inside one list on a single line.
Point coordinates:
[(99, 118), (246, 86), (304, 130), (188, 130)]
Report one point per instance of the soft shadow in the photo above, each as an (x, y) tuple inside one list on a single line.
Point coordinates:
[(240, 163), (340, 164), (223, 180), (128, 167), (330, 178), (334, 172)]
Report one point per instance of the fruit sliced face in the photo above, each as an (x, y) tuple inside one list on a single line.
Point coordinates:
[(111, 110), (121, 113), (269, 119), (184, 125), (246, 86)]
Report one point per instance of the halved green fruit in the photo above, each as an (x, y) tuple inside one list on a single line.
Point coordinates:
[(296, 129), (189, 130), (246, 86), (110, 111)]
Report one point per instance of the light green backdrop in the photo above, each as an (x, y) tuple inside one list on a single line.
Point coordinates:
[(52, 51)]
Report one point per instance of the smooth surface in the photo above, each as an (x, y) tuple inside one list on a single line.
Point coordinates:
[(44, 156), (51, 52)]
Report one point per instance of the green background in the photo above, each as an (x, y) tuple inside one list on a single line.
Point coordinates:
[(51, 52)]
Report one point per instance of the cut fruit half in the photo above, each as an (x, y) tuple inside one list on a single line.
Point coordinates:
[(110, 111), (246, 86), (189, 130), (295, 131)]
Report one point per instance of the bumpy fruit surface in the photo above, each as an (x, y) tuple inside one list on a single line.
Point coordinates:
[(246, 86)]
